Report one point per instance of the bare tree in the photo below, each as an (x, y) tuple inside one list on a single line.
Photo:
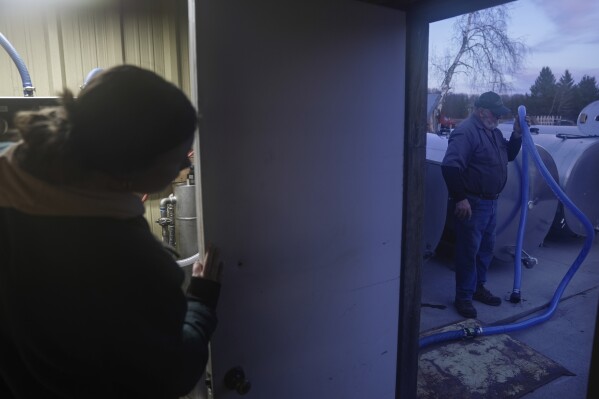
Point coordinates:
[(482, 51)]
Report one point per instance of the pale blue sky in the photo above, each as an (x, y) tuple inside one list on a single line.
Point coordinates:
[(561, 34)]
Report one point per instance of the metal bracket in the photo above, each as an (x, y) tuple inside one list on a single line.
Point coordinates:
[(527, 260)]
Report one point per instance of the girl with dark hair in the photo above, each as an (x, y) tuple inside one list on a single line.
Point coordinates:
[(91, 304)]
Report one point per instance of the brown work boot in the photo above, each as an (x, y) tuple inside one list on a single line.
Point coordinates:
[(465, 309), (484, 295)]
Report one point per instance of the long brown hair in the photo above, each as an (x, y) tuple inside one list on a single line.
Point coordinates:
[(44, 134)]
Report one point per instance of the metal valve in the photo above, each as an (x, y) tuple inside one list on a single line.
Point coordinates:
[(235, 380)]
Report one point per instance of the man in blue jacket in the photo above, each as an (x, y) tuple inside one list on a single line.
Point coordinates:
[(475, 171)]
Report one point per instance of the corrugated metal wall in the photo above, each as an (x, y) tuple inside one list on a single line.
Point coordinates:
[(60, 48)]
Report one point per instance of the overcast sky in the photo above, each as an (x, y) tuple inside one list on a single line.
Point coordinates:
[(561, 34)]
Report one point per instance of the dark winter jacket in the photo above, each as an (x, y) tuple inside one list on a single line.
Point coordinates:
[(476, 162), (91, 306)]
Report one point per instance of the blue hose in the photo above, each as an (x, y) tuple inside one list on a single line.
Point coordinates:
[(469, 332), (515, 297), (25, 78)]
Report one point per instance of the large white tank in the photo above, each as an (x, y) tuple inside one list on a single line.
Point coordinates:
[(435, 200), (575, 150), (577, 160), (542, 205), (588, 119), (506, 129)]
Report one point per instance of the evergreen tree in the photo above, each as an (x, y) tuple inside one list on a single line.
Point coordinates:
[(543, 93), (516, 100), (586, 92), (565, 98)]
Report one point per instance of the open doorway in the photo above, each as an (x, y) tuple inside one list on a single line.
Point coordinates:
[(556, 73)]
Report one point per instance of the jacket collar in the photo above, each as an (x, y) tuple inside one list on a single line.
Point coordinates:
[(24, 192)]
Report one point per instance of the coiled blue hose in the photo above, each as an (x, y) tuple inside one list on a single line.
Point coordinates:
[(25, 78), (473, 332)]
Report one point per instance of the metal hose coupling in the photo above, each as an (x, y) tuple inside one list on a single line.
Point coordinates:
[(471, 332)]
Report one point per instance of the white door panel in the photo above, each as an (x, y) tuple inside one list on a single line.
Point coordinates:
[(301, 144)]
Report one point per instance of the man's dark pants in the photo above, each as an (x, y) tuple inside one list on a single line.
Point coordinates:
[(475, 239)]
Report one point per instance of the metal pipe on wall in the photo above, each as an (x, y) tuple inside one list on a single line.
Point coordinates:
[(167, 220), (28, 88)]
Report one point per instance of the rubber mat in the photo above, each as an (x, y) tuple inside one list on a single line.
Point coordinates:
[(489, 367)]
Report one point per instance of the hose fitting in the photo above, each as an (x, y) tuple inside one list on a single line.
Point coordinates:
[(471, 332), (515, 297)]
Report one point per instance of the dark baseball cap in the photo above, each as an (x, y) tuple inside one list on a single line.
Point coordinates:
[(491, 101)]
